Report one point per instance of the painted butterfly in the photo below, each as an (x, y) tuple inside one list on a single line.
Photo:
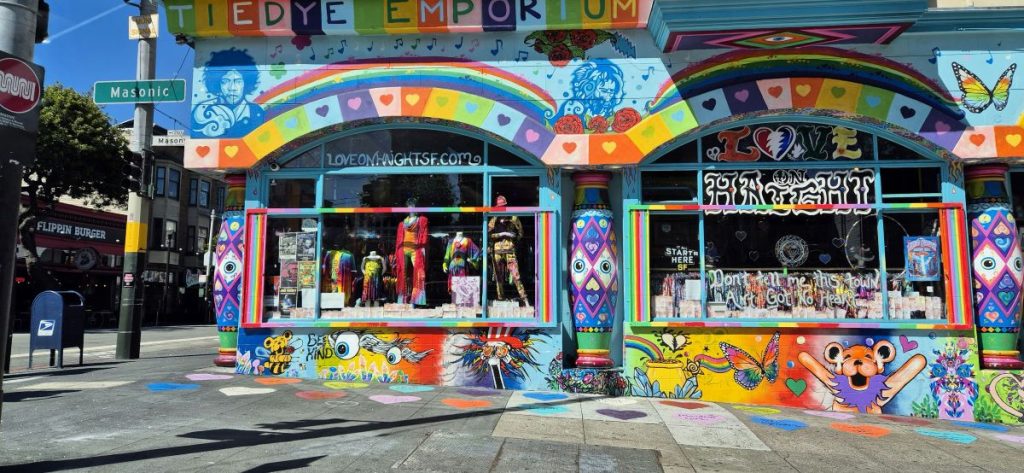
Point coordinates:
[(977, 96), (749, 371)]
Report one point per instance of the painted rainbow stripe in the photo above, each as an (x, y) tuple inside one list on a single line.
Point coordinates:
[(254, 249), (955, 262), (717, 365), (645, 346), (545, 284)]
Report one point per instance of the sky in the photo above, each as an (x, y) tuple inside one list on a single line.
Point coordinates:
[(89, 42)]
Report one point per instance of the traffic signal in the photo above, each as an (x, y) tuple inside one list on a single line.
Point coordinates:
[(140, 169)]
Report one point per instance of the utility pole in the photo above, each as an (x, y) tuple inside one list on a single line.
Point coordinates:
[(18, 38), (209, 256), (129, 328)]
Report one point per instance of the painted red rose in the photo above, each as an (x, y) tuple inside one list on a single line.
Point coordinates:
[(583, 39), (569, 125), (560, 55), (598, 124), (538, 46), (555, 36), (625, 119)]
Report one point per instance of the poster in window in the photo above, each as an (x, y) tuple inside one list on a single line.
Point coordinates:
[(305, 246), (307, 274), (289, 275), (466, 291), (922, 258), (286, 246)]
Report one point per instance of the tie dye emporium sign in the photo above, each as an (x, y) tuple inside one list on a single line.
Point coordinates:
[(213, 18)]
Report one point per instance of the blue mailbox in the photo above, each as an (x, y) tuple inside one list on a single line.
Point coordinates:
[(58, 322)]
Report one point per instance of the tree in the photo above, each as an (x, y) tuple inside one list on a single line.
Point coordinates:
[(79, 154)]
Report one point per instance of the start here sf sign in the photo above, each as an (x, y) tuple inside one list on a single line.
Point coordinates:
[(217, 18)]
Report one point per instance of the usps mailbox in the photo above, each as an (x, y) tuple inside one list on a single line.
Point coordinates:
[(58, 322)]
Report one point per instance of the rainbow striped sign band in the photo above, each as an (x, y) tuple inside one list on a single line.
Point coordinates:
[(220, 18)]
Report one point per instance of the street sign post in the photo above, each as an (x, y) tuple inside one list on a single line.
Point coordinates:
[(143, 26), (138, 91)]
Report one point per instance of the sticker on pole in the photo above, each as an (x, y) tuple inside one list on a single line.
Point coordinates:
[(129, 280), (20, 87), (45, 328)]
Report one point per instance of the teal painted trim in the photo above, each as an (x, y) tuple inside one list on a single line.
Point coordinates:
[(969, 19), (883, 271), (400, 323), (319, 270), (725, 15)]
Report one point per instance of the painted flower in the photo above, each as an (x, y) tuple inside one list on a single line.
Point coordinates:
[(583, 39), (560, 55), (569, 125), (625, 119), (555, 36), (598, 124), (588, 378)]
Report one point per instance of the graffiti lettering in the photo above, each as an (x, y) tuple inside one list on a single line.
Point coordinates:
[(803, 142), (789, 187), (811, 291)]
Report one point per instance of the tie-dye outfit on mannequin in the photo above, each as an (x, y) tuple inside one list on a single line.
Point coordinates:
[(373, 279), (504, 233), (337, 267), (459, 256), (411, 251)]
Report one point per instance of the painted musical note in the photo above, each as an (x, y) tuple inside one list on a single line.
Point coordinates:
[(312, 56), (936, 53), (990, 59), (330, 52), (277, 51), (370, 47), (432, 45), (344, 44), (650, 70), (552, 74), (399, 43), (415, 45), (474, 45), (522, 55), (462, 39), (498, 44)]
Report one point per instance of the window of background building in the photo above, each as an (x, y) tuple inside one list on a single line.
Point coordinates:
[(204, 194), (161, 176), (170, 234), (201, 239), (155, 233), (221, 191), (190, 243), (193, 191), (173, 184)]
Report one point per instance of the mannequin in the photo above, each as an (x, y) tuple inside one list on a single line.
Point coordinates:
[(411, 256), (460, 254), (373, 269), (337, 268), (505, 232)]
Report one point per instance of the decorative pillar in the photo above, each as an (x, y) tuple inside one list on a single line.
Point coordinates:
[(593, 269), (996, 266), (228, 272)]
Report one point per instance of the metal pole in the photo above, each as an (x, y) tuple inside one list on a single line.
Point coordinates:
[(209, 261), (129, 329), (17, 37)]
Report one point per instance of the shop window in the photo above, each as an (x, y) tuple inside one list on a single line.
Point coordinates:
[(161, 178), (308, 159), (193, 191), (772, 142), (518, 191), (675, 266), (915, 269), (1016, 191), (204, 194), (292, 193), (684, 154), (511, 287), (497, 156), (404, 148), (290, 269), (917, 184), (398, 190), (173, 183), (669, 187), (887, 150)]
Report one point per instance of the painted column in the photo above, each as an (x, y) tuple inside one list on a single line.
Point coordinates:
[(996, 265), (593, 269), (227, 274)]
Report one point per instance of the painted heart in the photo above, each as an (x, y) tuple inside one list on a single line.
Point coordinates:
[(617, 401), (942, 127), (775, 143), (322, 110), (265, 137), (442, 101), (992, 316), (478, 392), (838, 92), (276, 381), (981, 426), (354, 103), (202, 151), (160, 387), (765, 411), (1010, 438), (591, 247), (1013, 140), (788, 425), (386, 99), (472, 107), (838, 242), (207, 376), (678, 116), (344, 385), (390, 399), (547, 410), (411, 388), (412, 99), (742, 95), (872, 431), (907, 112), (244, 391), (958, 437), (978, 139), (320, 395), (699, 419), (545, 397), (648, 132), (824, 258), (466, 403), (291, 122), (709, 104), (684, 404), (569, 147), (231, 150), (803, 90), (796, 386), (622, 414), (753, 255), (775, 91), (873, 100), (592, 299), (907, 344), (532, 136), (740, 235), (1006, 296), (830, 415), (592, 285), (503, 119), (609, 146)]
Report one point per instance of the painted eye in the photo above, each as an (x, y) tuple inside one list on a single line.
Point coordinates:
[(1018, 264), (394, 355), (346, 346), (988, 264), (606, 266), (578, 266)]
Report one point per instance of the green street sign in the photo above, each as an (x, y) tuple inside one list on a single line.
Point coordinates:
[(139, 91)]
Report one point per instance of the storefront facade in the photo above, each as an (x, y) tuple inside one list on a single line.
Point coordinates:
[(521, 194)]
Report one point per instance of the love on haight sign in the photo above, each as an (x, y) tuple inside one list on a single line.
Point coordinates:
[(213, 18)]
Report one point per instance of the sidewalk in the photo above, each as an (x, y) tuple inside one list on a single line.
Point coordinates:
[(173, 411)]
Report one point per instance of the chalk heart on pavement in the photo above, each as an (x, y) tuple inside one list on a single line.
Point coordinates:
[(617, 401), (244, 391), (207, 376), (546, 396), (411, 388), (830, 415), (622, 414), (700, 419), (344, 385), (277, 381), (320, 395), (466, 403), (389, 399), (758, 410), (685, 404), (158, 387)]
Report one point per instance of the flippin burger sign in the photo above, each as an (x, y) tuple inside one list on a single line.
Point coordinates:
[(21, 90)]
